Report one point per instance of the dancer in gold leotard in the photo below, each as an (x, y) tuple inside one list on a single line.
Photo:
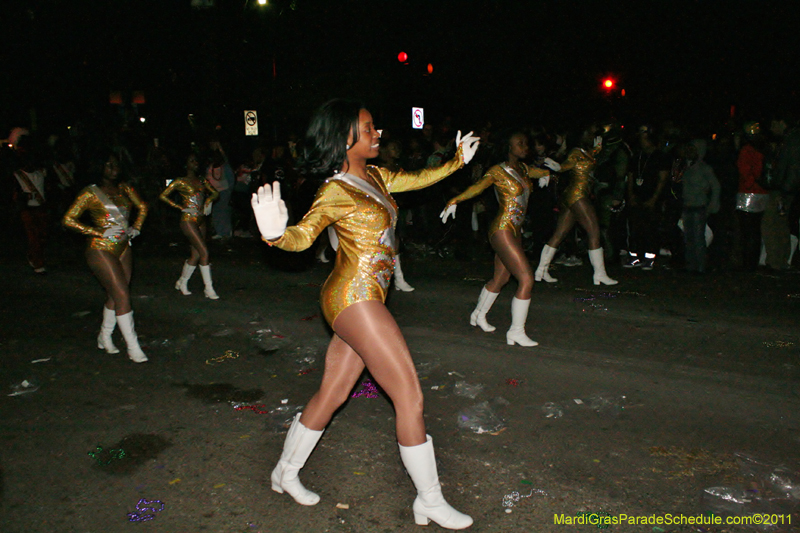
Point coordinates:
[(193, 190), (512, 184), (356, 202), (108, 252), (576, 206)]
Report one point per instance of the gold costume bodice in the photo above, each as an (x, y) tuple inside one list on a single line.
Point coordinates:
[(193, 197), (580, 164), (364, 226), (87, 200), (512, 190)]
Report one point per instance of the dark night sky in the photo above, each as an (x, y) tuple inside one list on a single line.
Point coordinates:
[(533, 61)]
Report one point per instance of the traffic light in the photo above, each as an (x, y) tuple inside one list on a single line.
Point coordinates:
[(402, 57), (608, 84)]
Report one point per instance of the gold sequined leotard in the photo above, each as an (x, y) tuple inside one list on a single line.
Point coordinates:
[(193, 197), (87, 200), (581, 164), (365, 229), (512, 192)]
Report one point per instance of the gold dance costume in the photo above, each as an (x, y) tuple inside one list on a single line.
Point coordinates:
[(581, 163), (512, 192), (365, 230), (193, 197), (103, 219)]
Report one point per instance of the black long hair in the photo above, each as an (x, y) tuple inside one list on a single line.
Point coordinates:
[(326, 139), (503, 144)]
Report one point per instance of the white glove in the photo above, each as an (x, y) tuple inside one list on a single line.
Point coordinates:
[(270, 211), (544, 182), (448, 211), (133, 233), (469, 145), (207, 208), (552, 165), (113, 231), (598, 141)]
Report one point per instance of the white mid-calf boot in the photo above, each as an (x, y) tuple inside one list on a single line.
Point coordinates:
[(300, 442), (420, 463), (126, 326), (544, 264), (519, 314), (599, 265), (478, 316), (104, 341), (400, 283), (792, 246), (205, 271), (183, 281)]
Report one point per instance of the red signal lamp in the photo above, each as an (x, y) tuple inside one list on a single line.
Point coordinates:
[(402, 57)]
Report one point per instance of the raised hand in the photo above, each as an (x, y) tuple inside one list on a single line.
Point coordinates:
[(469, 145), (270, 211)]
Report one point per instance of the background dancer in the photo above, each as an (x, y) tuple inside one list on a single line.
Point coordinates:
[(108, 252), (576, 206), (511, 180), (357, 202), (196, 205)]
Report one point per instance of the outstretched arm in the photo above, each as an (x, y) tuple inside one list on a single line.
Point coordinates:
[(410, 181)]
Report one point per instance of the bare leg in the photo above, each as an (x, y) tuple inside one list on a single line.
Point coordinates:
[(374, 337), (587, 218), (196, 235), (513, 259), (114, 275), (566, 221)]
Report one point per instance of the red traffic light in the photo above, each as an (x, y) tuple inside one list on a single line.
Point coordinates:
[(608, 83), (402, 57), (430, 68)]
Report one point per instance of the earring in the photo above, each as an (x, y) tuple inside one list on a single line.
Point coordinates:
[(347, 146)]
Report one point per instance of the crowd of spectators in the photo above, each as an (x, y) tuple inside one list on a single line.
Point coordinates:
[(665, 197)]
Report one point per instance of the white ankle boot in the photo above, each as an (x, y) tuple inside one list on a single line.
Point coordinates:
[(519, 314), (300, 442), (135, 352), (599, 265), (205, 271), (544, 265), (104, 341), (183, 281), (400, 283), (420, 463), (478, 316)]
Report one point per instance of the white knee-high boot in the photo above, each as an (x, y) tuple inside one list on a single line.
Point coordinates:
[(400, 283), (519, 314), (300, 442), (420, 463), (544, 264), (183, 281), (599, 265), (478, 316), (104, 341), (792, 246), (126, 326), (205, 271)]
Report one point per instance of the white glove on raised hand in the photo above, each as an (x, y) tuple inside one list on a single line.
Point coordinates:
[(450, 210), (598, 141), (552, 165), (270, 211), (544, 182), (469, 145), (113, 231)]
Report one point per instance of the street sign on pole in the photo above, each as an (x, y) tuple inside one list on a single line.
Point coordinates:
[(250, 123)]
